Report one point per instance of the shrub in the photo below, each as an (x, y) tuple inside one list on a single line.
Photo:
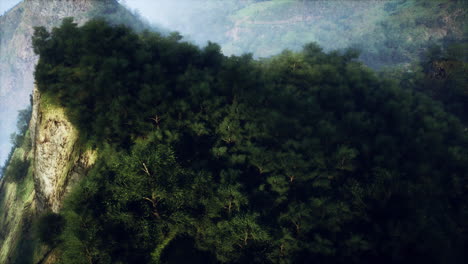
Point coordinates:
[(49, 228)]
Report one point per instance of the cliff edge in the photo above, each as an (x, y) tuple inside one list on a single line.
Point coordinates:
[(45, 166), (53, 162)]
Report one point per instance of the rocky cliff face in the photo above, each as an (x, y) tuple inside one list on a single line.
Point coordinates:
[(55, 164), (51, 158), (58, 160)]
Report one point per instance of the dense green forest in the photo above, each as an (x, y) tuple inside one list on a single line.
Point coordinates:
[(303, 157)]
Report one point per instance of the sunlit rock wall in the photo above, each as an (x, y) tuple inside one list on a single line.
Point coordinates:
[(58, 159)]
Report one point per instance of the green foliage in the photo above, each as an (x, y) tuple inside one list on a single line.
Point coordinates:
[(299, 157), (22, 124), (409, 29), (17, 169), (49, 228), (440, 74)]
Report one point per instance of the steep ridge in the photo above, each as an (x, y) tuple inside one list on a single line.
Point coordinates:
[(53, 163), (58, 161), (44, 167), (17, 59)]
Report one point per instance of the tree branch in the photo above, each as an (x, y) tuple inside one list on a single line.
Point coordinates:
[(145, 169)]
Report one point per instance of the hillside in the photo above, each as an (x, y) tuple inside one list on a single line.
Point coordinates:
[(387, 32), (302, 156), (43, 168), (140, 147)]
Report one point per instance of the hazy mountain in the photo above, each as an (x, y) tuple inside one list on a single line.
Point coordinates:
[(387, 32)]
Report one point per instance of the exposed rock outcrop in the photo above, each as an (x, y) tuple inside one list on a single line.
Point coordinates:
[(55, 163), (52, 156), (58, 161)]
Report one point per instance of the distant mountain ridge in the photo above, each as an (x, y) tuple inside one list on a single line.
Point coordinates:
[(387, 32)]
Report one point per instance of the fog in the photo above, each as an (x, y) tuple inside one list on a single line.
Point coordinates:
[(199, 21)]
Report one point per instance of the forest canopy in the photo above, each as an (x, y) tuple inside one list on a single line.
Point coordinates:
[(302, 157)]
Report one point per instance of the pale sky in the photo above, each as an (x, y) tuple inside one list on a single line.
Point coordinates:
[(161, 11), (7, 4)]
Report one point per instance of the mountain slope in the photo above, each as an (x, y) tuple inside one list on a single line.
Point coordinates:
[(387, 32), (298, 131), (301, 157), (44, 166)]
